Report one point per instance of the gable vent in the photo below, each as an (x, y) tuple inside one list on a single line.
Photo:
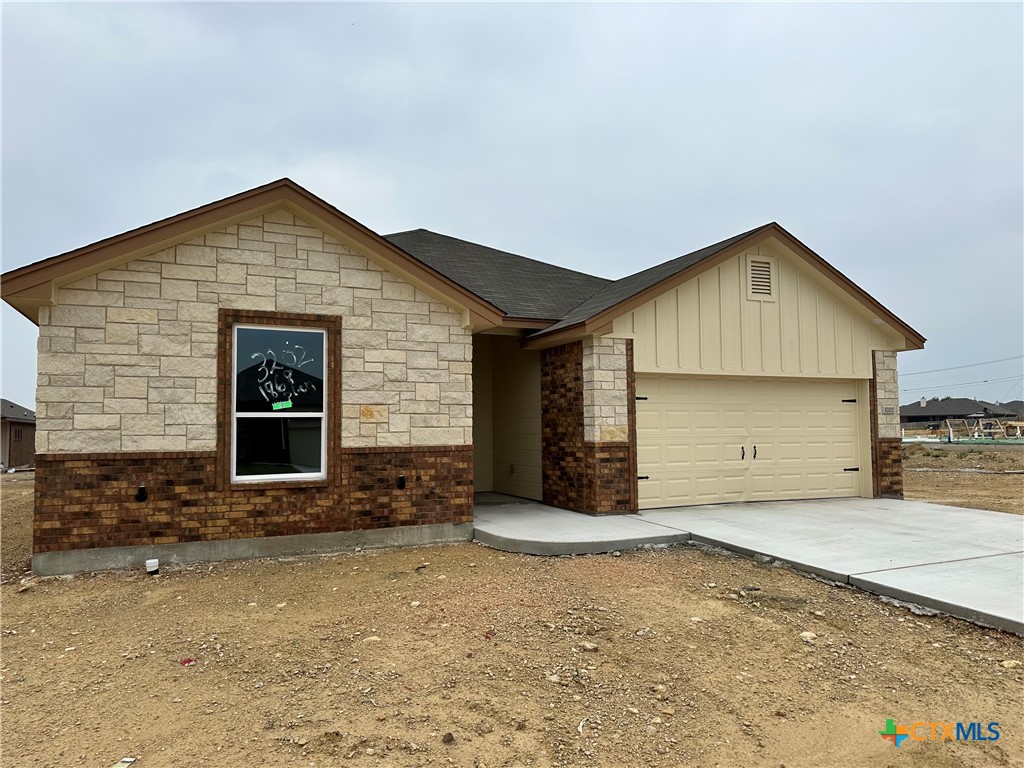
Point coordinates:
[(760, 277)]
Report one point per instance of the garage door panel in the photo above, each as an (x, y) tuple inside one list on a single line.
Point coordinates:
[(676, 420), (845, 483), (844, 451), (763, 420), (711, 486), (707, 420), (678, 455), (787, 452), (843, 421), (817, 451), (648, 455), (734, 420), (817, 421), (647, 421), (696, 439)]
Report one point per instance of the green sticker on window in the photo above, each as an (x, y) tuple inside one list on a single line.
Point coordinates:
[(282, 405)]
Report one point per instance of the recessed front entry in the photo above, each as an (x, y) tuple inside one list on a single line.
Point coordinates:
[(506, 417), (703, 439)]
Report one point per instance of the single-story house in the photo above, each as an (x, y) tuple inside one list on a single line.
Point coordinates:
[(937, 410), (17, 435), (1015, 409), (265, 374)]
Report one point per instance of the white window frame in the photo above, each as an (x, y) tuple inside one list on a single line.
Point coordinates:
[(321, 415)]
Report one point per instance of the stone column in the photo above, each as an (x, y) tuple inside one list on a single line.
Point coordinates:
[(886, 438)]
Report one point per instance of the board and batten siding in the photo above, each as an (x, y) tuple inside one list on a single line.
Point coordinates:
[(709, 325)]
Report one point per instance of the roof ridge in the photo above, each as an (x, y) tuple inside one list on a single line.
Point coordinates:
[(717, 245), (714, 247), (607, 280)]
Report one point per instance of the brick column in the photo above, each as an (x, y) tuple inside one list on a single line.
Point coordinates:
[(886, 438)]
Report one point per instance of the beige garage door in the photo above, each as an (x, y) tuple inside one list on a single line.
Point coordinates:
[(702, 440)]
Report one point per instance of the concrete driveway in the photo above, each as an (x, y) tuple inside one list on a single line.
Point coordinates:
[(965, 562)]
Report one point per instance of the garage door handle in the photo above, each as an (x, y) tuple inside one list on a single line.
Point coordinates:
[(640, 398), (755, 451), (643, 477), (851, 469), (743, 452)]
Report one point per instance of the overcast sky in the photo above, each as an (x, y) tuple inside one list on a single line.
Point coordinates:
[(605, 138)]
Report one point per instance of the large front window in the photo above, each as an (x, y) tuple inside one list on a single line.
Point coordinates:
[(279, 404)]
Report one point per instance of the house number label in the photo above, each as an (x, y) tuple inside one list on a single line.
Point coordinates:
[(888, 410), (276, 382)]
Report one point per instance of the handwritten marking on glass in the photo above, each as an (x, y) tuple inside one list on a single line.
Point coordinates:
[(276, 382)]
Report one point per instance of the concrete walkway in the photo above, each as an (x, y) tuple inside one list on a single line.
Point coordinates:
[(965, 562)]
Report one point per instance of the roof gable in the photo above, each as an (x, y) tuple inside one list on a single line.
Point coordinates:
[(597, 313), (625, 289), (32, 286)]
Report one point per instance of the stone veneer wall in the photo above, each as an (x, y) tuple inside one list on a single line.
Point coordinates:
[(598, 477), (886, 437), (605, 403), (134, 387), (127, 357)]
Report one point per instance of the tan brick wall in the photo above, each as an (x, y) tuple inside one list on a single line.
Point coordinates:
[(605, 391), (127, 357)]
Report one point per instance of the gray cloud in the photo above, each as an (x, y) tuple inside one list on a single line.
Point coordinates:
[(602, 137)]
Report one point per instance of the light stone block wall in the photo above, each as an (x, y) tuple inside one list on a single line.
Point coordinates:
[(605, 391), (887, 395), (127, 357)]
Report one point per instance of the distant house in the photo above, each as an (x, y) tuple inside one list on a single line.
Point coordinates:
[(17, 435), (1015, 408), (937, 411)]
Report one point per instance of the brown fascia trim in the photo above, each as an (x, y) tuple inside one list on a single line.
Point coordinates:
[(28, 287), (526, 322), (601, 322), (913, 339)]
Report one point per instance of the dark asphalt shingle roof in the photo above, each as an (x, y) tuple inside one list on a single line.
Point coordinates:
[(1016, 407), (523, 287), (15, 412), (953, 408), (519, 286), (626, 287)]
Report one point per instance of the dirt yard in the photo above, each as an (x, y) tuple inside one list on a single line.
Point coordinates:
[(978, 479), (465, 656)]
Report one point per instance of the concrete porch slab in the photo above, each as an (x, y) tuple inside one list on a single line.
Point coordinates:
[(529, 527)]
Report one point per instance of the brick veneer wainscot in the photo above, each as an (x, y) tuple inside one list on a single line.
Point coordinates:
[(598, 478), (85, 501)]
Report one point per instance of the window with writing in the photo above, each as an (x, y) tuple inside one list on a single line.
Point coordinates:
[(279, 403)]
